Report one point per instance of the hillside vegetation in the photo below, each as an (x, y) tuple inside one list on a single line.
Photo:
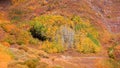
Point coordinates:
[(49, 33)]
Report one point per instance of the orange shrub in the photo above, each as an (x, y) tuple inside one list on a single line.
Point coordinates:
[(5, 56), (9, 27), (5, 44)]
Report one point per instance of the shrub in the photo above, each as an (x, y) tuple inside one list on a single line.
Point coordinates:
[(8, 27), (38, 31), (6, 52), (45, 27), (12, 65), (86, 36), (22, 37), (52, 47), (33, 41), (10, 39), (87, 46), (5, 56), (31, 63), (5, 44), (51, 23), (65, 31), (80, 27), (93, 39), (110, 52), (18, 36)]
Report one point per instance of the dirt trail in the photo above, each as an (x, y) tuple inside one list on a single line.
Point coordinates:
[(75, 60)]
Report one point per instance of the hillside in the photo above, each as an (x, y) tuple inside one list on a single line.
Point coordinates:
[(59, 33)]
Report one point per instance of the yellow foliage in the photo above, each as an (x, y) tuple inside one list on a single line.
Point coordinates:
[(87, 46), (8, 27), (52, 23), (85, 37), (52, 47)]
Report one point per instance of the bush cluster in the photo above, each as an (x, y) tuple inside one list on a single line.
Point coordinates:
[(76, 32), (86, 36), (16, 35)]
